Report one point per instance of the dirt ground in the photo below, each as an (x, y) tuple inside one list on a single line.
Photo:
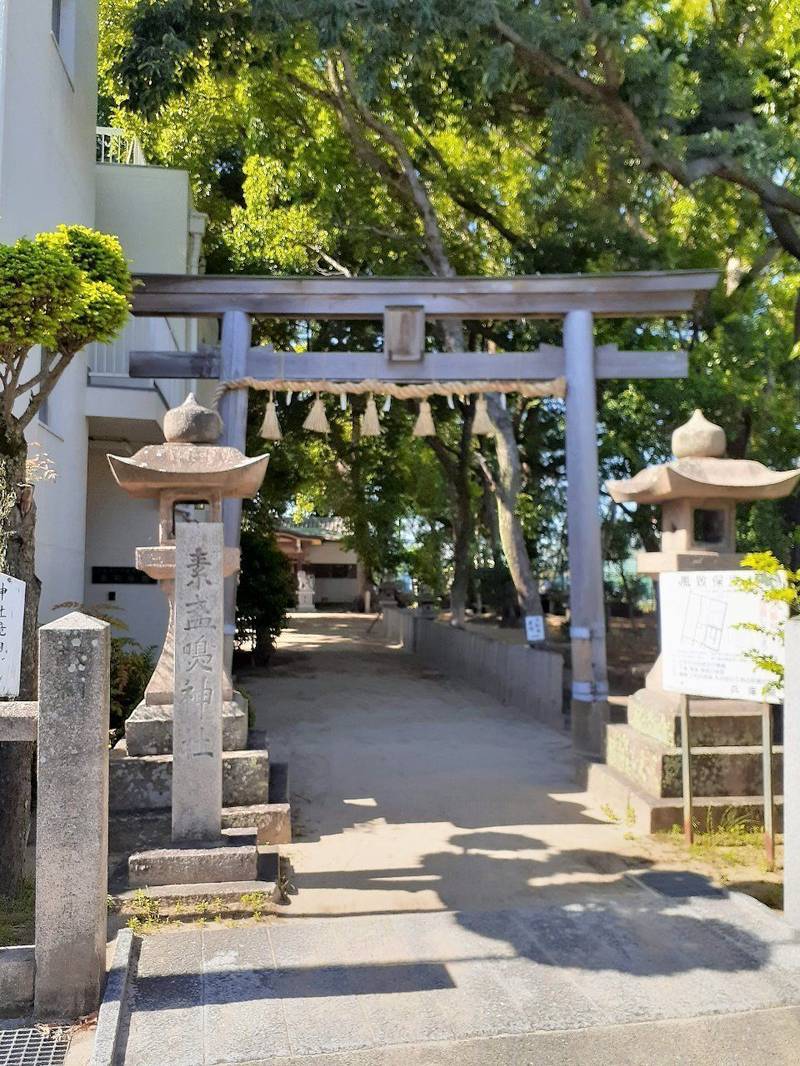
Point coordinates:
[(398, 773)]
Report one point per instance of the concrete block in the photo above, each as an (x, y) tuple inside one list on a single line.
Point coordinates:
[(148, 731), (144, 783), (193, 865), (72, 816), (17, 967)]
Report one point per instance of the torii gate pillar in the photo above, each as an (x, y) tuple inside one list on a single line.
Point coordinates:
[(234, 350), (589, 703)]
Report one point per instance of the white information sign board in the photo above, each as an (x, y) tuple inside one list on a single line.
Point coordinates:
[(534, 628), (12, 606), (703, 652)]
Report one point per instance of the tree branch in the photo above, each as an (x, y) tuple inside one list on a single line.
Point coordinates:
[(38, 398), (418, 192), (606, 96)]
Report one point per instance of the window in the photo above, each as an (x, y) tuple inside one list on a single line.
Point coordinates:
[(62, 25), (56, 17), (336, 570), (45, 412), (709, 526), (190, 511)]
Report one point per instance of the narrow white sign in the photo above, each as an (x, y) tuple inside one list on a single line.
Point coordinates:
[(534, 628), (12, 608), (704, 650)]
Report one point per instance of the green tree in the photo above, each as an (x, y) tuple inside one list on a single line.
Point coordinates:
[(494, 137), (60, 291), (266, 592)]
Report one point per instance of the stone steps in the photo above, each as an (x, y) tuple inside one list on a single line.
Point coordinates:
[(139, 830), (645, 813), (144, 782), (148, 730), (714, 723), (734, 770)]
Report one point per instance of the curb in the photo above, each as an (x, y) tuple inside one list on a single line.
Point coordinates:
[(112, 1013)]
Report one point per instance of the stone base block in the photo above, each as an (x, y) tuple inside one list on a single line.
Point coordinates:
[(17, 967), (193, 865), (272, 821), (715, 723), (145, 830), (656, 768), (589, 720), (130, 831), (144, 782), (644, 813), (148, 731)]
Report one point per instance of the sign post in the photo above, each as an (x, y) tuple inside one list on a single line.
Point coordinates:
[(707, 650), (769, 798), (686, 770), (12, 609), (791, 777)]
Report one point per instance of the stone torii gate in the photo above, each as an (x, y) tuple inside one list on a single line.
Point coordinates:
[(404, 305)]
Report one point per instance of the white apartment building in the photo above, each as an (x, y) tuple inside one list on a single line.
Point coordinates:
[(56, 166)]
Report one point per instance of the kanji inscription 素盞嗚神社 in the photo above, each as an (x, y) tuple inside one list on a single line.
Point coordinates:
[(197, 725)]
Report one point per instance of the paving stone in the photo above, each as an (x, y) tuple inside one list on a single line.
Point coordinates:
[(242, 1016), (166, 1024)]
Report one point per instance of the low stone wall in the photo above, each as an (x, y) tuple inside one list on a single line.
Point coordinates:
[(398, 627), (17, 967), (525, 677)]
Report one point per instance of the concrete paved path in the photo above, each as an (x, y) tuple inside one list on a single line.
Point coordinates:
[(456, 902)]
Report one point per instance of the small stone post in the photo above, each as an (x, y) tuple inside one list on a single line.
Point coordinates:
[(791, 776), (199, 644), (72, 816)]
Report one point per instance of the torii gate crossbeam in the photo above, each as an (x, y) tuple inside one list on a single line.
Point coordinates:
[(404, 304)]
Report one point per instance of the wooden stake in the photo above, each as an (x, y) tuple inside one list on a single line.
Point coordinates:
[(769, 798), (686, 771)]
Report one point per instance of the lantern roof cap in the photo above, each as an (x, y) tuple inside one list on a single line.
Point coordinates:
[(699, 439), (190, 460), (191, 423), (700, 471)]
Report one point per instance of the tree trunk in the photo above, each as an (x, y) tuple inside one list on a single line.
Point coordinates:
[(16, 759), (462, 557), (457, 472), (507, 491)]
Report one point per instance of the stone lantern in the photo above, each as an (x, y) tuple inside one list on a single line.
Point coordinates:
[(698, 492), (190, 475)]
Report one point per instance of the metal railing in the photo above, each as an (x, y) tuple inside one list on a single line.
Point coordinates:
[(114, 145), (112, 360)]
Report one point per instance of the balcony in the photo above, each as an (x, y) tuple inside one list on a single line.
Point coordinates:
[(113, 145)]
